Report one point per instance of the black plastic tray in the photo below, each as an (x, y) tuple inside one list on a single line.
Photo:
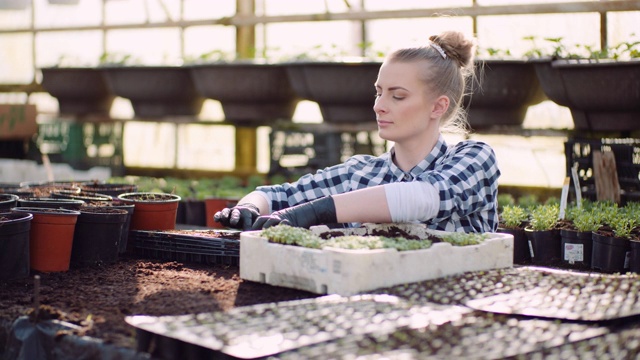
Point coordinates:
[(201, 246)]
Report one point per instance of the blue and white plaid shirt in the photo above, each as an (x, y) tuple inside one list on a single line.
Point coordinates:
[(465, 175)]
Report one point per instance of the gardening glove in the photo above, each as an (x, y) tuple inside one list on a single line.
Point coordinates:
[(240, 216), (320, 211)]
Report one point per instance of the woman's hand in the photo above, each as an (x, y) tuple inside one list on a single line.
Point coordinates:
[(316, 212), (241, 216)]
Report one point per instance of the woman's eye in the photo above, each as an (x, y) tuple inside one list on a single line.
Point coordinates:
[(398, 97)]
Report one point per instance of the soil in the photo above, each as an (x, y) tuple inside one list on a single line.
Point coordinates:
[(99, 298)]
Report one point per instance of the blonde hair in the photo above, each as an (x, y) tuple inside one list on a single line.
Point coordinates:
[(450, 65)]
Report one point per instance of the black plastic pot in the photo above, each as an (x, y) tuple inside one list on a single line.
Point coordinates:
[(8, 201), (195, 212), (521, 253), (634, 256), (14, 245), (112, 190), (97, 236), (576, 247), (51, 203), (544, 246), (610, 254), (86, 196)]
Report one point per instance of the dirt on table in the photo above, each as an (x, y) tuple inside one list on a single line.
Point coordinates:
[(99, 298)]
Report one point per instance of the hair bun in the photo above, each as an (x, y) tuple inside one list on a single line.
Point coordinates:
[(455, 46)]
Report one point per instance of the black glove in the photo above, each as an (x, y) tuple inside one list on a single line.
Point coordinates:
[(240, 216), (320, 211)]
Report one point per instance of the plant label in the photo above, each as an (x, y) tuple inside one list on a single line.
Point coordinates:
[(573, 252)]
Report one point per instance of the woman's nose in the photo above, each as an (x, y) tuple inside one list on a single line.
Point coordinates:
[(378, 105)]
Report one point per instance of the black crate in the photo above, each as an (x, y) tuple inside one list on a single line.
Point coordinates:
[(626, 153)]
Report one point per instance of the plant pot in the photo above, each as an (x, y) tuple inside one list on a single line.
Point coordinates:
[(521, 253), (213, 205), (79, 91), (8, 201), (51, 203), (14, 245), (152, 211), (86, 196), (195, 212), (109, 189), (610, 254), (576, 247), (634, 256), (250, 93), (97, 236), (155, 91), (343, 90), (51, 238), (123, 244), (544, 246), (506, 90)]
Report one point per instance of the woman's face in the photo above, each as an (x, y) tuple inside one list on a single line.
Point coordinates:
[(403, 105)]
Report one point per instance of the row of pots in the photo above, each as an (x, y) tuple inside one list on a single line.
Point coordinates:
[(53, 234), (597, 251), (602, 96)]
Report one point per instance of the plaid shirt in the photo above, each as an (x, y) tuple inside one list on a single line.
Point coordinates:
[(466, 176)]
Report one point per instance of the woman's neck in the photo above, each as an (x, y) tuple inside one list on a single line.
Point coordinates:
[(408, 154)]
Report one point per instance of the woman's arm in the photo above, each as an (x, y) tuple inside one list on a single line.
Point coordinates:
[(364, 205)]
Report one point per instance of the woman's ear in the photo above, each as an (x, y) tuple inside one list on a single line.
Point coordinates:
[(440, 107)]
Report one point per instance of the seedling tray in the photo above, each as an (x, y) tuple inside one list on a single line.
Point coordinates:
[(202, 246), (348, 272), (580, 297), (334, 327), (266, 329)]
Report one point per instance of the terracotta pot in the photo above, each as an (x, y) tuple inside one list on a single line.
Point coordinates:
[(152, 211), (213, 205), (8, 201), (14, 245), (97, 236), (51, 238)]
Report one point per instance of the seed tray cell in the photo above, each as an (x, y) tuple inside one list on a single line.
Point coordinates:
[(474, 335), (267, 329), (200, 246)]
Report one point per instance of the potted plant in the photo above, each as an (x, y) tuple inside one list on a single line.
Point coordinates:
[(513, 220), (576, 238), (611, 243), (251, 92), (14, 245), (544, 238), (50, 237), (97, 235), (598, 86), (51, 203), (152, 210)]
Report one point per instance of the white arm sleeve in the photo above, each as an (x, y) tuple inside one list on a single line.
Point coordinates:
[(411, 201)]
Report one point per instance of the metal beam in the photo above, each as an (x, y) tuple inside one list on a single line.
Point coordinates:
[(476, 10)]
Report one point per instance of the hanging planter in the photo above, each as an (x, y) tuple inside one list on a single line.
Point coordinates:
[(250, 93), (507, 88), (14, 245), (343, 90), (152, 211), (79, 90), (8, 201), (51, 238), (97, 236), (155, 91)]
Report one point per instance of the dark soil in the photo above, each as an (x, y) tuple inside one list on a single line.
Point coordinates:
[(99, 298)]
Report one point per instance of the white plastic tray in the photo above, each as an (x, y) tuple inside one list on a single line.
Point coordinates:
[(349, 272)]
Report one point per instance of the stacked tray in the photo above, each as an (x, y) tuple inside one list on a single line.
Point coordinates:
[(201, 246)]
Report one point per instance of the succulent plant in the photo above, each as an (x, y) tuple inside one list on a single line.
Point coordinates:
[(544, 217), (513, 216)]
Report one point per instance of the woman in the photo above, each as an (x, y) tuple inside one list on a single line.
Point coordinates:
[(419, 91)]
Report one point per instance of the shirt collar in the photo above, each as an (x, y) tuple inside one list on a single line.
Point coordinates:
[(427, 163)]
